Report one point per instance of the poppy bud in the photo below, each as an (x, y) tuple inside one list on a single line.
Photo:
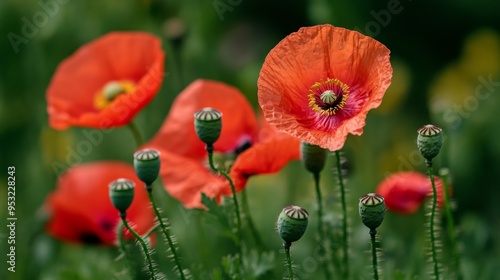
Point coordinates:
[(121, 193), (429, 141), (147, 165), (208, 125), (372, 210), (313, 157), (292, 223)]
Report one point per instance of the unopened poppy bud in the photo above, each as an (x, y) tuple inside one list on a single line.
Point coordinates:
[(208, 125), (372, 210), (292, 223), (313, 157), (147, 165), (429, 141), (121, 193)]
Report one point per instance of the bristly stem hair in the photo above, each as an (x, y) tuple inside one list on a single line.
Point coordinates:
[(210, 150), (433, 214), (321, 228), (373, 234), (166, 233), (345, 244), (288, 259), (145, 248)]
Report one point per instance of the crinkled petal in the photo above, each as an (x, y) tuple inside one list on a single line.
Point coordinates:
[(314, 54)]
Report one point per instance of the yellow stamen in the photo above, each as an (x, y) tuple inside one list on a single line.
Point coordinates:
[(328, 91)]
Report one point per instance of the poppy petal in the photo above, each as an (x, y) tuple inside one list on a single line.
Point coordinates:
[(80, 210), (177, 132), (134, 56), (186, 179), (315, 54), (404, 192), (264, 158)]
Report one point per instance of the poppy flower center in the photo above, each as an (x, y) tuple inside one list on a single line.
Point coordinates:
[(111, 91), (329, 96)]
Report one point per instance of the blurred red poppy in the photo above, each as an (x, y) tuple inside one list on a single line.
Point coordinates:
[(319, 83), (242, 147), (106, 82), (404, 192), (80, 210)]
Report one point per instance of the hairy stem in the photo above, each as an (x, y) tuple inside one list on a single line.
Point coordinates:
[(374, 254), (143, 244), (321, 229), (251, 225), (288, 260), (210, 149), (166, 233), (433, 214), (344, 217)]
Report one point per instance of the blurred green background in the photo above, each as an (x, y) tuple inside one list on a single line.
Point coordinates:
[(446, 59)]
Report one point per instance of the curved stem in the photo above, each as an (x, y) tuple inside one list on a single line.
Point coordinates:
[(143, 244), (123, 248), (135, 133), (251, 225), (433, 213), (166, 233), (451, 226), (288, 260), (321, 229), (344, 216), (210, 149), (374, 254)]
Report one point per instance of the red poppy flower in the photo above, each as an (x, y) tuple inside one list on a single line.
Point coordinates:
[(319, 83), (106, 82), (80, 210), (184, 166), (404, 192)]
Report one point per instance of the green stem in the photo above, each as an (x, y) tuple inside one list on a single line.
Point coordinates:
[(374, 254), (344, 216), (210, 149), (251, 225), (166, 233), (433, 213), (451, 225), (124, 251), (321, 229), (143, 244), (288, 260), (135, 133)]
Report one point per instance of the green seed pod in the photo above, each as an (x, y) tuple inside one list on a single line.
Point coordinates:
[(121, 193), (208, 125), (429, 141), (147, 165), (372, 210), (292, 223), (313, 157)]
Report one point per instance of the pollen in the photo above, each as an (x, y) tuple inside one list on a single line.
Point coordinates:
[(328, 96), (111, 91)]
